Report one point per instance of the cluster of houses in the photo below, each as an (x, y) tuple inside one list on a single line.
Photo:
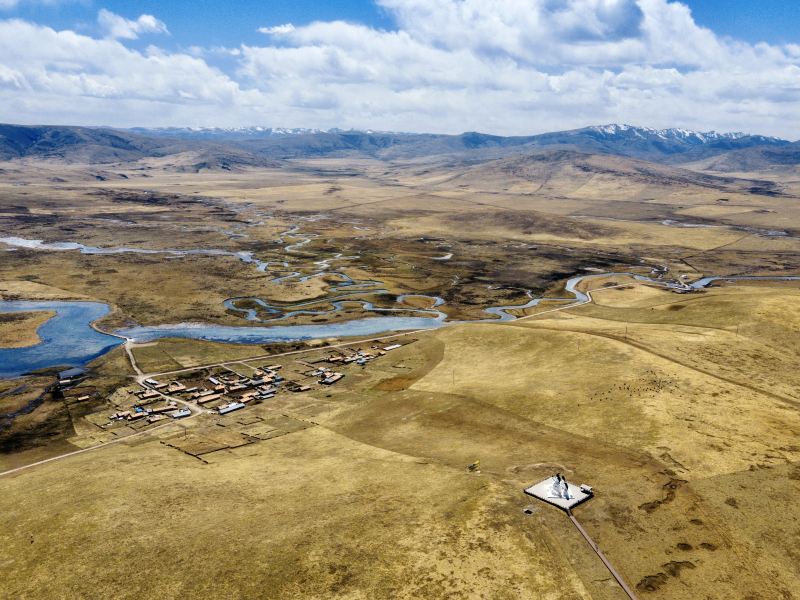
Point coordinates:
[(152, 404), (228, 392), (347, 356), (225, 393), (237, 389), (150, 414), (359, 357), (329, 377), (678, 286), (70, 385)]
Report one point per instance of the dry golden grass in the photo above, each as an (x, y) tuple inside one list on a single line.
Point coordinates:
[(697, 403), (168, 354), (19, 329), (510, 226), (373, 500), (680, 410), (295, 291), (347, 519), (630, 294), (31, 290)]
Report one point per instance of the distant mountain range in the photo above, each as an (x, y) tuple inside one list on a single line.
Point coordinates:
[(658, 145), (99, 145), (261, 146), (223, 133)]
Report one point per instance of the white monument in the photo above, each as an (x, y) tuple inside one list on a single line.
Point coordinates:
[(565, 492), (556, 491), (560, 488)]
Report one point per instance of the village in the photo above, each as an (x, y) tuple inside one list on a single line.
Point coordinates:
[(223, 389)]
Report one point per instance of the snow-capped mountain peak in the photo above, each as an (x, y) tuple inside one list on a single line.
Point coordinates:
[(677, 134), (245, 133), (225, 132)]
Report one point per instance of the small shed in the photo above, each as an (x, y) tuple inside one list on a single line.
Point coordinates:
[(72, 373)]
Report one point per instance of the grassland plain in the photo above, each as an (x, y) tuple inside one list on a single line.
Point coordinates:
[(367, 495), (680, 410), (170, 354), (509, 225)]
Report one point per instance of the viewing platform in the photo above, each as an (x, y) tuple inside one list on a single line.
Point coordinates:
[(560, 493)]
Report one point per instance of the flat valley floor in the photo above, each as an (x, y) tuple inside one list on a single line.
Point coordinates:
[(682, 411)]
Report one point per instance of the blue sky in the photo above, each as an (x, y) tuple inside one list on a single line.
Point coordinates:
[(220, 22), (210, 22), (501, 66), (774, 21)]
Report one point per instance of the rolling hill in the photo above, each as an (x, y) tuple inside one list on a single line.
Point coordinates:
[(759, 158), (657, 145), (230, 148), (92, 145)]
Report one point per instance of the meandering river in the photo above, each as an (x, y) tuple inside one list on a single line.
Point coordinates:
[(68, 339)]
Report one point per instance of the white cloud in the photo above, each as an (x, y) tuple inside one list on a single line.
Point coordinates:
[(62, 67), (503, 66), (12, 4), (118, 27), (277, 29)]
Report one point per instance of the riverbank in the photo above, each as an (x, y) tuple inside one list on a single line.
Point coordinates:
[(72, 338), (67, 338)]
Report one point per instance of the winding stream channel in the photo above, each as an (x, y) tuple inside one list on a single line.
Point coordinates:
[(69, 339)]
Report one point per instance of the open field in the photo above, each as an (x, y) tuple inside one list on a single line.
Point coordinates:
[(510, 225), (680, 412), (336, 509), (167, 355)]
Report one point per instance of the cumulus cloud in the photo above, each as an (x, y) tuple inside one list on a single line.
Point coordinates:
[(118, 27), (502, 66), (532, 30), (69, 76), (513, 66)]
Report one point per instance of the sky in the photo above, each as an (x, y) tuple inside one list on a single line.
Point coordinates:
[(508, 67)]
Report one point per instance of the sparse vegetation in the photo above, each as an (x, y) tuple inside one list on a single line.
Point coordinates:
[(681, 411), (19, 329)]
